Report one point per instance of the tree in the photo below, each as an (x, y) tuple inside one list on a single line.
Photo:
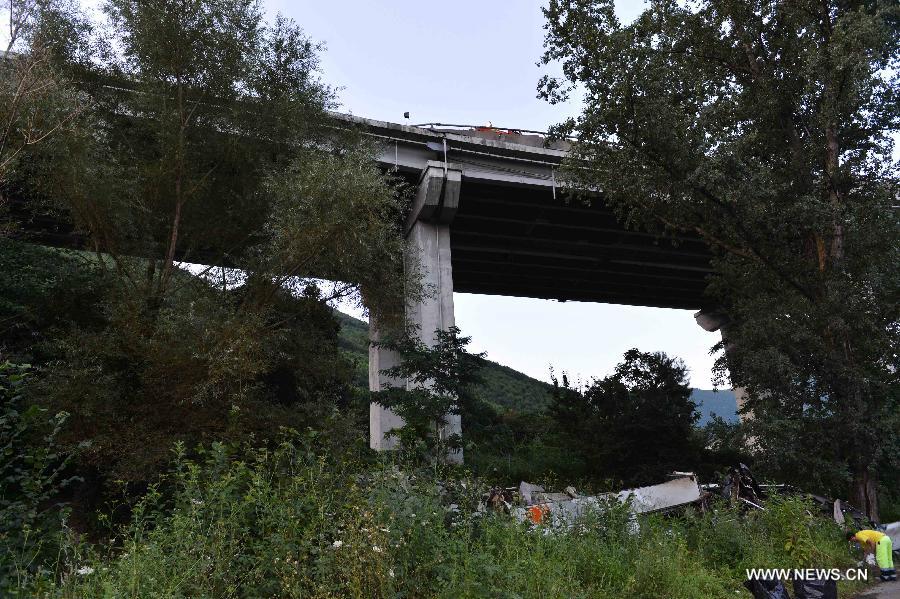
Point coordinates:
[(763, 128), (38, 102), (635, 425), (440, 380), (206, 139)]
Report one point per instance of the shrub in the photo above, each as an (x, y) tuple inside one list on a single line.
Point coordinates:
[(32, 472), (290, 522)]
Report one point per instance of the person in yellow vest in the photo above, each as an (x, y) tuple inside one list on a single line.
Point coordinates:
[(873, 541)]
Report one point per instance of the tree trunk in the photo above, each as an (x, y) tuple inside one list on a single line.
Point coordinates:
[(865, 494)]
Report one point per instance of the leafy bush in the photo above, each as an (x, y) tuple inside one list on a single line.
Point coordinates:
[(32, 472), (290, 522), (440, 380), (635, 424)]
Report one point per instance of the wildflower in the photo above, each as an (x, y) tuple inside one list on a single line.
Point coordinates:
[(391, 572), (337, 544), (197, 501), (84, 571), (376, 548)]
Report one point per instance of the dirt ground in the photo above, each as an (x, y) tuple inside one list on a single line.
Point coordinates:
[(882, 590)]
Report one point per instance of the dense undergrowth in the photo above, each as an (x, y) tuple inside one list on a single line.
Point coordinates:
[(289, 521)]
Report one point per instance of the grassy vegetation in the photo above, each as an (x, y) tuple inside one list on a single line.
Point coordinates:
[(321, 516), (291, 522)]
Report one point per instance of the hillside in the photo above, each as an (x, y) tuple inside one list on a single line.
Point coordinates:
[(501, 385), (509, 388)]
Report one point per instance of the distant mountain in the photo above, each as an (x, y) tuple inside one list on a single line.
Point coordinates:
[(510, 388), (720, 403)]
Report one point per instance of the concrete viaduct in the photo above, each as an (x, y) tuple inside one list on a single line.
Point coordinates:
[(489, 217)]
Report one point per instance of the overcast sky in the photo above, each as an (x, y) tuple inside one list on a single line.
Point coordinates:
[(471, 62)]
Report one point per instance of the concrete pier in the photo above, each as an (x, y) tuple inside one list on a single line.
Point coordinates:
[(715, 322), (428, 253)]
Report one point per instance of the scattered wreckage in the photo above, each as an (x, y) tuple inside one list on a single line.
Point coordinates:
[(552, 511), (561, 509), (533, 504)]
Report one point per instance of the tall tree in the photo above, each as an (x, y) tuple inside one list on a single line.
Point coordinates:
[(206, 138), (38, 102), (440, 381), (635, 425), (764, 128)]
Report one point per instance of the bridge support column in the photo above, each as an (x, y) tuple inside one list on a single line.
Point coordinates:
[(381, 420), (428, 254), (715, 322)]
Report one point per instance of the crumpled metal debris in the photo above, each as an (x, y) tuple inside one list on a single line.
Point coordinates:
[(739, 485), (562, 509), (498, 498), (532, 503)]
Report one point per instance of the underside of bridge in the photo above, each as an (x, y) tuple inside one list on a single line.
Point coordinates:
[(489, 217), (523, 242)]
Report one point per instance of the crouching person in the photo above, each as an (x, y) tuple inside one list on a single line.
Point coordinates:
[(880, 545)]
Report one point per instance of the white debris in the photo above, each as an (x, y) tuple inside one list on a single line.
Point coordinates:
[(562, 509)]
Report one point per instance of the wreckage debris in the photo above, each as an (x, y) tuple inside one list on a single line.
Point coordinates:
[(537, 506), (739, 485)]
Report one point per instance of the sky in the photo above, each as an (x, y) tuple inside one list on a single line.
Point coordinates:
[(470, 62)]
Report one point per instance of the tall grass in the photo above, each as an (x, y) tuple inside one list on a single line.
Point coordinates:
[(289, 523)]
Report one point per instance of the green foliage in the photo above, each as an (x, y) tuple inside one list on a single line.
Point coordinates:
[(724, 445), (32, 473), (511, 390), (203, 137), (764, 130), (498, 385), (439, 378), (43, 292), (38, 102), (511, 437), (289, 522), (207, 140), (635, 425)]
